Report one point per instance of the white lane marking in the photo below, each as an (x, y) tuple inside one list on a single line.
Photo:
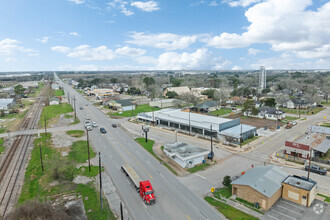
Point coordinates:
[(289, 210), (200, 176), (293, 205), (283, 214), (272, 216), (144, 205), (148, 162)]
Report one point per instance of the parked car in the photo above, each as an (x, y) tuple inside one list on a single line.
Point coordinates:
[(87, 123), (294, 123), (81, 108), (319, 105), (103, 131), (288, 126), (89, 128), (114, 125), (317, 169), (94, 124), (88, 117)]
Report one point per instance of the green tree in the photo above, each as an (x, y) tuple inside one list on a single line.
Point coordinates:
[(250, 105), (114, 80), (148, 81), (226, 181), (19, 89), (209, 93), (264, 91), (269, 102), (176, 82), (171, 94)]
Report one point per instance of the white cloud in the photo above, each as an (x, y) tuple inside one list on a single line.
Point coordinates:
[(10, 46), (287, 25), (236, 67), (77, 1), (75, 34), (166, 41), (10, 59), (213, 4), (43, 40), (243, 3), (129, 51), (121, 4), (61, 49), (148, 6), (253, 51)]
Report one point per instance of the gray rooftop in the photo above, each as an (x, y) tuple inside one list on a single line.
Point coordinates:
[(265, 179), (324, 146), (5, 102), (318, 129), (185, 151), (236, 130), (125, 102), (299, 182), (207, 104)]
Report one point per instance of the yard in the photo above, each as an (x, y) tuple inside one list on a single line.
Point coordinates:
[(221, 111), (138, 109), (2, 148), (257, 122), (310, 111), (327, 125), (52, 112), (76, 133), (58, 92)]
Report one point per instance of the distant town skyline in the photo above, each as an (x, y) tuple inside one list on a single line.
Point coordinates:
[(97, 35)]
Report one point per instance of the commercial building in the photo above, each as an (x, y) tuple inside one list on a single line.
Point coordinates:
[(185, 155), (297, 149), (299, 190), (261, 185), (122, 105)]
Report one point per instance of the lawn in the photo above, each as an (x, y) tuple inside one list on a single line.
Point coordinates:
[(228, 211), (221, 111), (222, 192), (68, 116), (148, 147), (250, 140), (2, 148), (53, 111), (3, 130), (327, 125), (79, 152), (76, 133), (249, 204), (290, 118), (327, 198), (59, 92), (303, 111), (198, 167), (138, 109)]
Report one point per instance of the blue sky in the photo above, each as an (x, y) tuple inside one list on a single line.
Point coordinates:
[(164, 34)]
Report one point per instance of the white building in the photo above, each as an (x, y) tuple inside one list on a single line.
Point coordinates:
[(185, 155), (268, 113), (5, 104)]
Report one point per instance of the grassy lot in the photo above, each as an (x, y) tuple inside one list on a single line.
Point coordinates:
[(327, 125), (76, 133), (324, 103), (250, 140), (79, 152), (303, 111), (76, 121), (39, 185), (2, 148), (148, 146), (138, 109), (3, 130), (59, 92), (35, 92), (222, 192), (327, 198), (228, 211), (53, 111), (198, 167), (68, 116), (290, 118), (221, 111)]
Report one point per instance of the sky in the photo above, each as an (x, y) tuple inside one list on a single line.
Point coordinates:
[(97, 35)]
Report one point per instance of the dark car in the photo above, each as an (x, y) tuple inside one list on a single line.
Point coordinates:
[(319, 105), (81, 108), (114, 125), (103, 131), (316, 169)]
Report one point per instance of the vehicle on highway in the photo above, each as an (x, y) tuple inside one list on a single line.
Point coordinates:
[(103, 131), (317, 169), (94, 124), (89, 128), (81, 108), (114, 125), (88, 117), (143, 187), (87, 123)]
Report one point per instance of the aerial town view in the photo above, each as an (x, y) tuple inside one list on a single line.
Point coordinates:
[(165, 109)]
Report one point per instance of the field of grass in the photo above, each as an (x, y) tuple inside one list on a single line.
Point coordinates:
[(79, 152), (59, 92), (303, 111), (198, 167), (290, 118), (327, 198), (3, 130), (76, 133), (68, 116), (222, 111), (222, 192), (228, 211), (148, 146), (246, 202), (250, 140), (53, 111), (327, 125), (2, 148), (138, 109)]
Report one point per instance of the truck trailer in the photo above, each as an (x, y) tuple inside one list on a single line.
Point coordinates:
[(144, 188)]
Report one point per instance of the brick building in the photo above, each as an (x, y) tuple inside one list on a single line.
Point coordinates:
[(297, 149)]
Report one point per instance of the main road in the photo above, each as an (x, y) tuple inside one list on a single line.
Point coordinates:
[(173, 199)]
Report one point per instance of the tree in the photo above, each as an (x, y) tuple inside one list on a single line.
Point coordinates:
[(264, 91), (270, 102), (250, 105), (114, 80), (19, 89), (190, 98), (148, 81), (209, 93), (176, 82), (171, 94), (226, 181)]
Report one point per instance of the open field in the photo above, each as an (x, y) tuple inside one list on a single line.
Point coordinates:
[(222, 111), (59, 92), (51, 112), (257, 122), (135, 112)]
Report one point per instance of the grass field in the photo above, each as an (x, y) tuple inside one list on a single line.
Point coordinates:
[(222, 192), (59, 92), (79, 152), (228, 211), (303, 111), (222, 111), (198, 167), (53, 111), (327, 198), (250, 140), (3, 130), (139, 109), (290, 118), (76, 133), (2, 148)]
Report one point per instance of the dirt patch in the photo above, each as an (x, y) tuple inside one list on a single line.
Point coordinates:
[(62, 140), (82, 180), (258, 122)]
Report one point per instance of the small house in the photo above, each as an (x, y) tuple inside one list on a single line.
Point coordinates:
[(207, 106), (6, 104), (268, 113), (122, 105), (54, 101)]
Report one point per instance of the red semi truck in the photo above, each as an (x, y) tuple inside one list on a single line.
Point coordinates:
[(143, 187)]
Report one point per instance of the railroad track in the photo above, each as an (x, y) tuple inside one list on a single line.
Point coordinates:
[(13, 165)]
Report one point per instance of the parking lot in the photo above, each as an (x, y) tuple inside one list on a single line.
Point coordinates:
[(286, 210)]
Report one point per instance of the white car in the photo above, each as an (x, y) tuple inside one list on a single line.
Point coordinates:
[(88, 117), (94, 124), (89, 128)]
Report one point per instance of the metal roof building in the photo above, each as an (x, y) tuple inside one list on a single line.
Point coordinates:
[(324, 146)]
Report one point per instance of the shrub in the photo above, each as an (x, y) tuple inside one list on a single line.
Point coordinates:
[(226, 181)]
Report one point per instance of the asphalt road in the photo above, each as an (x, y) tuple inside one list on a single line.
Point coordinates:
[(173, 199)]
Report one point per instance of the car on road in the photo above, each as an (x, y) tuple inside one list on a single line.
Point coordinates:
[(89, 128), (288, 126), (87, 123), (88, 117), (81, 108), (103, 131), (317, 169), (114, 125), (294, 123), (94, 124), (86, 104)]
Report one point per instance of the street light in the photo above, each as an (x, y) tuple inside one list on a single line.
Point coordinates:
[(146, 128)]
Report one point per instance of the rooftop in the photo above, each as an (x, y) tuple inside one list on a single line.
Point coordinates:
[(300, 182), (207, 104), (236, 130), (185, 151), (324, 146), (318, 129)]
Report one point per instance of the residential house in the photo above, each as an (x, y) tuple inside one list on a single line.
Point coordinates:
[(122, 105), (268, 113), (179, 90), (236, 100), (54, 101), (6, 104), (261, 185), (297, 103), (207, 106), (55, 86)]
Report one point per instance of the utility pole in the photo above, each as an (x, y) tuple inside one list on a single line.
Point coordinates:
[(89, 159), (74, 104), (45, 125), (211, 144), (42, 164), (100, 169), (189, 121), (309, 165), (240, 137), (299, 110), (153, 116), (121, 211)]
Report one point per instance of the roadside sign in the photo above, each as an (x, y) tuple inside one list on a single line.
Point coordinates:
[(212, 189), (325, 117), (286, 156), (277, 154)]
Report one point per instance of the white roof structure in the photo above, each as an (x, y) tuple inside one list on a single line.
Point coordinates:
[(236, 130), (179, 90), (319, 129), (5, 102), (264, 179), (184, 151), (324, 146), (300, 183)]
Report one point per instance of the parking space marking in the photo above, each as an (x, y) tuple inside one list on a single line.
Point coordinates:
[(272, 217), (200, 176), (289, 210), (284, 214), (293, 205)]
